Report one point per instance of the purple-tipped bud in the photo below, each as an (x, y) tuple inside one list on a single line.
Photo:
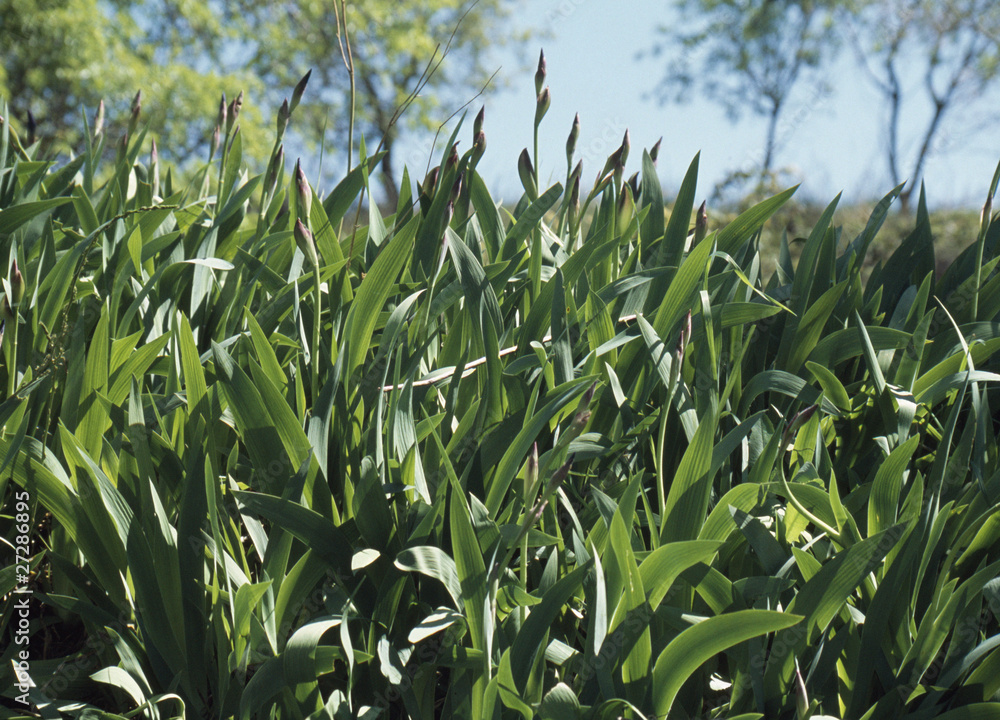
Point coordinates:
[(99, 121), (431, 181), (16, 284), (449, 213), (300, 88), (654, 153), (701, 223), (580, 421), (304, 241), (32, 127), (271, 176), (283, 114), (798, 420), (527, 174), (452, 161), (619, 169), (214, 145), (554, 482), (574, 206), (542, 104), (135, 110), (122, 147), (303, 192), (574, 135), (531, 470), (614, 160), (477, 124), (540, 73), (626, 146), (478, 148), (456, 188), (220, 119), (234, 112)]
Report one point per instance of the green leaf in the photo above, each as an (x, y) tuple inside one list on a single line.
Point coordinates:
[(534, 630), (696, 645), (436, 563)]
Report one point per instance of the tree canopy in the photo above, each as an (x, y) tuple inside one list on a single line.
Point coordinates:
[(745, 55), (59, 58)]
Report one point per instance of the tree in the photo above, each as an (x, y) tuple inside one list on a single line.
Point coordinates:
[(57, 57), (746, 54), (953, 46), (433, 48)]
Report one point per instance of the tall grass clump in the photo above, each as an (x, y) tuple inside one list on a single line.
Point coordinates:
[(290, 457)]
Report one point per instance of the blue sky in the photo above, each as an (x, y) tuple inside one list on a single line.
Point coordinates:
[(833, 142)]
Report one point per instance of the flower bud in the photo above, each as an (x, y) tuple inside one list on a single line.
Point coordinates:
[(654, 153), (283, 114), (574, 135), (303, 193), (478, 148), (452, 162), (701, 223), (527, 174), (542, 104), (574, 206), (798, 420), (16, 284), (300, 87), (304, 241), (531, 469), (135, 110), (477, 124), (456, 188), (540, 73), (122, 148), (626, 146), (430, 182), (99, 121), (614, 160), (271, 176), (220, 119), (234, 112), (619, 169)]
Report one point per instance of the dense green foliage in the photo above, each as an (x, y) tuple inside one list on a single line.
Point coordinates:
[(286, 458)]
